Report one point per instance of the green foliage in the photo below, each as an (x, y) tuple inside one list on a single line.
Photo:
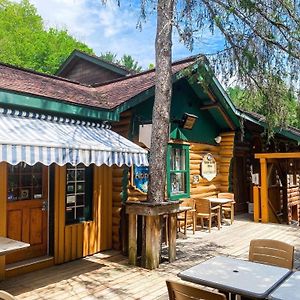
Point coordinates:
[(256, 101), (25, 42), (109, 56), (126, 61), (261, 44)]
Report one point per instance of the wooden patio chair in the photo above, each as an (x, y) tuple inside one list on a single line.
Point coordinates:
[(6, 296), (228, 207), (272, 252), (190, 215), (204, 210), (181, 291)]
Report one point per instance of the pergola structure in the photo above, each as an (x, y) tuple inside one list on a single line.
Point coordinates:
[(277, 198)]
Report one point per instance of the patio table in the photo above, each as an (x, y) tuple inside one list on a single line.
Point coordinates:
[(289, 289), (236, 276), (8, 245), (219, 201)]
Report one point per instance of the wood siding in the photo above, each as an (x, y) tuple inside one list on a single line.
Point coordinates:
[(222, 153), (122, 128), (89, 73), (86, 238)]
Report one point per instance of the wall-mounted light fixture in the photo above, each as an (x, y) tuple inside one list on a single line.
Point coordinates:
[(218, 139), (187, 121)]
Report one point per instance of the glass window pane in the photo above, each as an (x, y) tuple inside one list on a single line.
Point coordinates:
[(78, 193), (25, 182), (178, 183)]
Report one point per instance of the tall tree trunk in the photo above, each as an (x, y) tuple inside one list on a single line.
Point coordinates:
[(162, 102)]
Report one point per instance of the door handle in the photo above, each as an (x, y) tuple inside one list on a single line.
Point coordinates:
[(45, 205)]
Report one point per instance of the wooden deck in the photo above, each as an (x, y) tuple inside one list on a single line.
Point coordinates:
[(107, 275)]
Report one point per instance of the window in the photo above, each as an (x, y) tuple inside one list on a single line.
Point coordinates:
[(178, 175), (26, 182), (79, 189)]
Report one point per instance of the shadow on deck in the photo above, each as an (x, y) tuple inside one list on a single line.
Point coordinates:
[(107, 275)]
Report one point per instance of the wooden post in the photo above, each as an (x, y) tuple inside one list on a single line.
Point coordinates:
[(256, 203), (3, 201), (152, 242), (172, 219), (264, 197), (132, 242)]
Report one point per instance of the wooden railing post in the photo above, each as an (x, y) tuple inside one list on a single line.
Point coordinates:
[(152, 242), (256, 204), (172, 226), (132, 238), (264, 191)]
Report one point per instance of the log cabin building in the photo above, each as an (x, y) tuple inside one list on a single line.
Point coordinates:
[(64, 174)]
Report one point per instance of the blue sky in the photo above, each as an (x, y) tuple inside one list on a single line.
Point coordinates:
[(113, 28)]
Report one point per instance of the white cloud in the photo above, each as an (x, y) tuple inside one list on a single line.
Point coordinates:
[(113, 28)]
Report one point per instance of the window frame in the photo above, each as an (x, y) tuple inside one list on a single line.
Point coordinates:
[(186, 148), (18, 182), (87, 194)]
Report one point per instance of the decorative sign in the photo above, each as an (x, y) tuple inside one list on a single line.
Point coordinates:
[(140, 178), (196, 179), (208, 167)]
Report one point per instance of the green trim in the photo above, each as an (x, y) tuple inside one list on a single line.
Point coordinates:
[(281, 131), (95, 60), (21, 101), (177, 134), (186, 148), (143, 96)]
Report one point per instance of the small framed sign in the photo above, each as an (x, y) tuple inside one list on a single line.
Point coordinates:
[(208, 167), (196, 179), (24, 194), (140, 178)]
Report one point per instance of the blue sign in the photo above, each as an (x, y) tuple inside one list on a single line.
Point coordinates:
[(140, 178)]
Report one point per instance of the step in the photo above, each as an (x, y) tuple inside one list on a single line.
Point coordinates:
[(29, 265)]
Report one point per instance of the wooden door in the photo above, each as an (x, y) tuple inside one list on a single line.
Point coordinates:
[(27, 210), (27, 221)]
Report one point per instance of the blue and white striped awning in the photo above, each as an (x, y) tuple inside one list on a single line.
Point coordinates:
[(31, 138)]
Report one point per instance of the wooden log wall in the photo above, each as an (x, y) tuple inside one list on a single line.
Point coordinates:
[(86, 238), (122, 128), (223, 154), (293, 195)]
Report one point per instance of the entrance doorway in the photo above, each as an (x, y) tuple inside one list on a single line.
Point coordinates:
[(27, 210)]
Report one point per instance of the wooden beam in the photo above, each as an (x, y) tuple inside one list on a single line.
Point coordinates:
[(172, 226), (256, 203), (3, 201), (209, 106), (152, 242), (132, 239), (211, 95), (278, 155), (226, 118), (217, 106), (264, 191)]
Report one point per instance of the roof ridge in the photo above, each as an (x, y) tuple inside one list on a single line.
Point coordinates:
[(103, 60), (23, 69), (181, 61)]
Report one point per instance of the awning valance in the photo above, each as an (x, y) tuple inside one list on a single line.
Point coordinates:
[(32, 138)]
